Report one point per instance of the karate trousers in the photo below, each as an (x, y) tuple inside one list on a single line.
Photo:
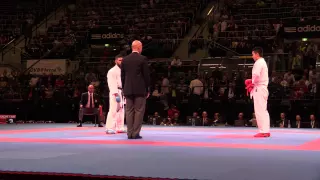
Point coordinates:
[(260, 100), (115, 117)]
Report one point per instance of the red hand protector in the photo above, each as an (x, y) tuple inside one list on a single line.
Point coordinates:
[(249, 86), (248, 82)]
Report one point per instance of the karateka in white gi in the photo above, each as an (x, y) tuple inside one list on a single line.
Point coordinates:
[(260, 93), (115, 118)]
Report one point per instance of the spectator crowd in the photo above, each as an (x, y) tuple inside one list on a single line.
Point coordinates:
[(179, 94), (236, 27), (159, 24), (19, 19)]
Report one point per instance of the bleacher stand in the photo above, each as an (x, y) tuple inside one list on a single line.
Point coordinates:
[(240, 26), (158, 24), (18, 17)]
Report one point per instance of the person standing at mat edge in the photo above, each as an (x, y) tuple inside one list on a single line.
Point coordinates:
[(115, 118), (260, 92), (135, 77)]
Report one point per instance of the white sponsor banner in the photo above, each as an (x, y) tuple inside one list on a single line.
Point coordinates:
[(48, 66)]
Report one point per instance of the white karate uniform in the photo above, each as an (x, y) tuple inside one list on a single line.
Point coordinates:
[(260, 93), (115, 118)]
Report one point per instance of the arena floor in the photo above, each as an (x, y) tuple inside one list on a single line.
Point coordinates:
[(167, 152)]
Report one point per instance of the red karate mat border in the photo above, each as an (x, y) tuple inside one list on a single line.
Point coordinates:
[(228, 130), (43, 130), (310, 146), (14, 175)]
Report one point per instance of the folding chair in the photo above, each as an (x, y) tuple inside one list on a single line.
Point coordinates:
[(89, 112)]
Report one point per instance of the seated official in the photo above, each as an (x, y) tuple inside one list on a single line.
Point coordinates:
[(90, 103), (216, 119), (171, 121), (168, 122), (283, 122), (205, 120), (313, 122), (298, 121), (194, 120), (240, 121), (155, 119)]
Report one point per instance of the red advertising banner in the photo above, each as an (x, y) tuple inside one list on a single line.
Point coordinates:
[(4, 118)]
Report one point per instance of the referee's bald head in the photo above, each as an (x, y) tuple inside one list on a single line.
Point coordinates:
[(136, 46)]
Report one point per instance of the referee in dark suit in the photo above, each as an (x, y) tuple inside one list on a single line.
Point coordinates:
[(135, 77)]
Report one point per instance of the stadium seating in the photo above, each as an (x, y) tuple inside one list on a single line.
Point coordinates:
[(17, 15), (243, 26), (267, 11), (159, 25)]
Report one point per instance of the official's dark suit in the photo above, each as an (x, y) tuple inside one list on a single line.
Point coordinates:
[(96, 100), (206, 122), (93, 110), (284, 123), (135, 77)]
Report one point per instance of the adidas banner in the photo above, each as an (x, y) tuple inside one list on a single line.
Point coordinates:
[(305, 29), (106, 35)]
